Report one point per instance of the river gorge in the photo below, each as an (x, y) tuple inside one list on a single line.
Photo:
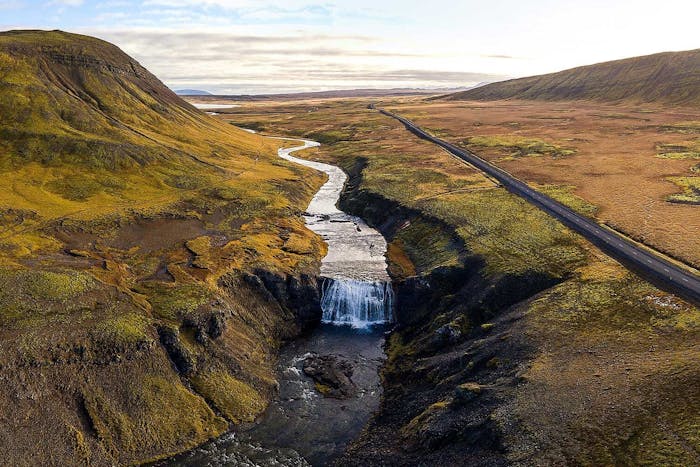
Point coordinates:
[(329, 382)]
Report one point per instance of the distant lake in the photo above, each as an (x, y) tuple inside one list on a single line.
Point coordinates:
[(201, 105)]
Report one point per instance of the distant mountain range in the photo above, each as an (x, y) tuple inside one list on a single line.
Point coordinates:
[(669, 78), (192, 92), (342, 93)]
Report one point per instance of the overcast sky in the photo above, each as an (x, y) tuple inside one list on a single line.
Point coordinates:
[(257, 46)]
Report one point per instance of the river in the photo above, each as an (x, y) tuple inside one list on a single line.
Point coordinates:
[(302, 426)]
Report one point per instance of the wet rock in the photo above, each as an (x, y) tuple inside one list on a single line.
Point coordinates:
[(304, 298), (331, 375), (298, 295)]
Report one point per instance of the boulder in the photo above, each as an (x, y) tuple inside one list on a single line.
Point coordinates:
[(467, 392), (331, 375)]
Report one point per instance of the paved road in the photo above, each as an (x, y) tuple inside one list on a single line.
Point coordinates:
[(656, 269)]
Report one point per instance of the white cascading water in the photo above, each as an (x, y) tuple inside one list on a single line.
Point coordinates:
[(356, 290), (357, 303)]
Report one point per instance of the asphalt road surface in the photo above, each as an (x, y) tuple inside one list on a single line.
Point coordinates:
[(656, 269)]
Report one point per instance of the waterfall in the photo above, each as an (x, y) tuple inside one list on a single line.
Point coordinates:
[(356, 289), (355, 302)]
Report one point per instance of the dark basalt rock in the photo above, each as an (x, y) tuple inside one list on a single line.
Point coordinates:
[(298, 295), (449, 334), (215, 325), (207, 326), (179, 355), (331, 374)]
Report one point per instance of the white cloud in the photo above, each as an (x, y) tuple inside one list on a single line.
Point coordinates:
[(11, 5), (64, 3), (257, 59)]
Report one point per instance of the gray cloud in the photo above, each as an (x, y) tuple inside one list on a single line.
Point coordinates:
[(413, 78)]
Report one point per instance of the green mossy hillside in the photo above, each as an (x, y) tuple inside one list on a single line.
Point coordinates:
[(515, 146), (132, 227)]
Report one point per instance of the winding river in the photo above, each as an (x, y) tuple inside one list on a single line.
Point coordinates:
[(355, 250), (356, 289)]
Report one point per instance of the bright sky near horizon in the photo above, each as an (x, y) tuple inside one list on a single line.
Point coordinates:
[(262, 46)]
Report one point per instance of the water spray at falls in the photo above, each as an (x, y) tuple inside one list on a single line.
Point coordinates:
[(355, 302)]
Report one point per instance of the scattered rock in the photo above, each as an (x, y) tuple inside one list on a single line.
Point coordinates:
[(467, 392), (449, 334), (331, 375)]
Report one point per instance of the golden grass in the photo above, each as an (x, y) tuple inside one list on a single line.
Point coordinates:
[(236, 400), (690, 187), (620, 168)]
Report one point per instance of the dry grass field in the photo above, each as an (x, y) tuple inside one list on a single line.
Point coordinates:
[(635, 167)]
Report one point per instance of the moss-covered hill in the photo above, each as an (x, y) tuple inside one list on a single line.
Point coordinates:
[(82, 121), (151, 259), (666, 78)]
